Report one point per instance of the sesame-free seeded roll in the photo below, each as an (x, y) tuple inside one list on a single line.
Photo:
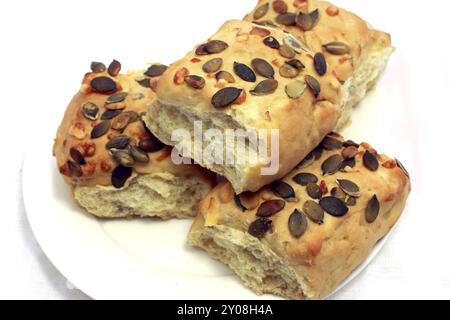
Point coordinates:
[(297, 244), (358, 52), (115, 167)]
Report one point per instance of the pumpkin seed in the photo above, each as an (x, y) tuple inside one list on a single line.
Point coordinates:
[(349, 188), (307, 21), (271, 42), (286, 19), (349, 163), (314, 191), (266, 24), (370, 161), (120, 175), (146, 83), (225, 97), (318, 152), (313, 84), (151, 144), (349, 153), (350, 143), (244, 72), (100, 129), (295, 89), (138, 154), (120, 142), (372, 210), (297, 64), (402, 167), (114, 68), (237, 201), (298, 224), (75, 169), (330, 143), (320, 64), (288, 71), (314, 212), (304, 179), (195, 82), (337, 48), (270, 208), (212, 65), (259, 228), (263, 68), (338, 193), (216, 46), (225, 75), (309, 160), (279, 6), (261, 11), (265, 87), (110, 114), (90, 111), (286, 51), (295, 43), (116, 98), (122, 157), (282, 190), (332, 165), (120, 122), (103, 85), (334, 206), (155, 70), (134, 116), (351, 202), (77, 156), (98, 67), (201, 50)]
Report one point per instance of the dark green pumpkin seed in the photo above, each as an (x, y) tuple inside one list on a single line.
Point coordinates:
[(156, 70), (349, 188), (77, 156), (114, 68), (151, 144), (120, 175), (351, 201), (116, 98), (244, 72), (216, 46), (265, 87), (146, 82), (259, 228), (297, 64), (90, 111), (314, 85), (98, 67), (195, 82), (261, 11), (309, 160), (338, 193), (120, 142), (271, 42), (298, 224), (350, 143), (372, 210), (314, 212), (270, 208), (318, 152), (225, 97), (263, 68), (370, 161), (349, 153), (103, 85), (75, 169), (337, 48), (288, 71), (100, 129), (138, 154), (320, 64), (287, 52), (346, 164), (212, 65), (225, 75), (122, 157), (286, 19), (201, 50), (330, 143), (110, 114), (314, 191), (282, 190), (334, 206), (295, 89), (304, 179), (402, 167), (134, 116), (332, 165), (307, 21)]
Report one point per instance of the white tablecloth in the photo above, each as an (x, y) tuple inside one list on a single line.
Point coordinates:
[(46, 43)]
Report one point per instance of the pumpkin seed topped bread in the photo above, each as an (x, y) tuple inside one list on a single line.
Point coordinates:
[(114, 165), (301, 236), (247, 77)]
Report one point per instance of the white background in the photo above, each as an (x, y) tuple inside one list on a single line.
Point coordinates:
[(45, 46)]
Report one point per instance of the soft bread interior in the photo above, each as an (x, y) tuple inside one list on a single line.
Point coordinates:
[(162, 195)]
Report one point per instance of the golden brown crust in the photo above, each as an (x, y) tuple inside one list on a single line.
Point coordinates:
[(326, 253)]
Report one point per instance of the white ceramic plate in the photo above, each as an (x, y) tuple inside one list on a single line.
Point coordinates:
[(149, 259)]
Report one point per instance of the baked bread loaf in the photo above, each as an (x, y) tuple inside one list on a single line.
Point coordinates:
[(358, 52), (300, 237), (114, 165), (249, 77)]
